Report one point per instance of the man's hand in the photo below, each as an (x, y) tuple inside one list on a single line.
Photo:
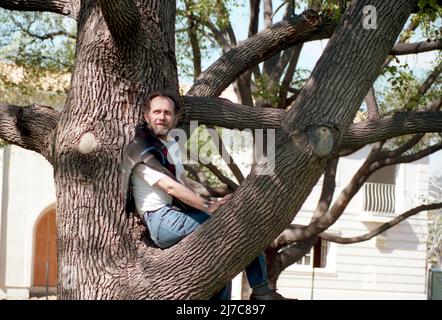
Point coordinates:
[(216, 204)]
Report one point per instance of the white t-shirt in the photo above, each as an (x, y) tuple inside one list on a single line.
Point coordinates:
[(147, 196)]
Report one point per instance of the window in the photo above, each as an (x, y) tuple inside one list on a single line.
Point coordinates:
[(317, 257)]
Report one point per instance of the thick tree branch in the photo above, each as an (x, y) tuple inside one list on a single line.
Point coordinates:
[(122, 18), (224, 113), (260, 47), (414, 48), (381, 228), (64, 7), (297, 150), (30, 127), (401, 123)]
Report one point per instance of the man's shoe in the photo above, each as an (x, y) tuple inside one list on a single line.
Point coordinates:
[(270, 295)]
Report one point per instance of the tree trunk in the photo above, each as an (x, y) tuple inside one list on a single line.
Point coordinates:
[(111, 77)]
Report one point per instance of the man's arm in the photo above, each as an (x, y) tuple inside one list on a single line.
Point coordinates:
[(185, 181), (177, 190)]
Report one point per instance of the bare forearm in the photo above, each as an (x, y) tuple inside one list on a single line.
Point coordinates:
[(182, 193)]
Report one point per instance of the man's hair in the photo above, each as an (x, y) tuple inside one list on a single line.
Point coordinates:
[(162, 93)]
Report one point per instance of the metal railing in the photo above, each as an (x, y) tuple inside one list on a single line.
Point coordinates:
[(379, 198)]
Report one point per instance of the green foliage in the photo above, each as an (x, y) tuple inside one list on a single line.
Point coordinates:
[(429, 13), (26, 40), (217, 12), (266, 91), (333, 8), (404, 88), (34, 69), (402, 95)]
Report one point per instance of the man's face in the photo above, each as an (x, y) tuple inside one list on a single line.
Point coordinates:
[(161, 116)]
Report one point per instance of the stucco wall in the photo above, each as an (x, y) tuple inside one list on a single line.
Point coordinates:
[(28, 192)]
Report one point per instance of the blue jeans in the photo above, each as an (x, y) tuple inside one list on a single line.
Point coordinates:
[(168, 227)]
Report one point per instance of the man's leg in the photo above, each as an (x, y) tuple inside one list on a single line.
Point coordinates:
[(257, 276), (257, 272), (168, 227)]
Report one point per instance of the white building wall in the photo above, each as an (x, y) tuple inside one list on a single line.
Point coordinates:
[(29, 193), (2, 226), (394, 269)]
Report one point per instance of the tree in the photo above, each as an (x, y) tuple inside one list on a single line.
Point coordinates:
[(124, 51), (271, 84)]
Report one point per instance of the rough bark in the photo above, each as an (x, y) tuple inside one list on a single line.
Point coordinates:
[(297, 147), (64, 7), (254, 16), (31, 127), (224, 113), (122, 19), (372, 104), (99, 255), (96, 246), (414, 48)]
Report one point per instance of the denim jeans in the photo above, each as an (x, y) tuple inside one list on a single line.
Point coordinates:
[(167, 227)]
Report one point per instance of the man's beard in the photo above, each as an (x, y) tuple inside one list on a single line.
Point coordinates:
[(162, 132)]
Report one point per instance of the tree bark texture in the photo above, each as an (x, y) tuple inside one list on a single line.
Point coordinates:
[(112, 76), (99, 254)]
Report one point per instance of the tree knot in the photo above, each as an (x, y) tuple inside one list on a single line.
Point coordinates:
[(87, 144), (321, 138), (312, 17)]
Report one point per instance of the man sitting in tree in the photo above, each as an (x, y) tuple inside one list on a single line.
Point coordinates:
[(154, 178)]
